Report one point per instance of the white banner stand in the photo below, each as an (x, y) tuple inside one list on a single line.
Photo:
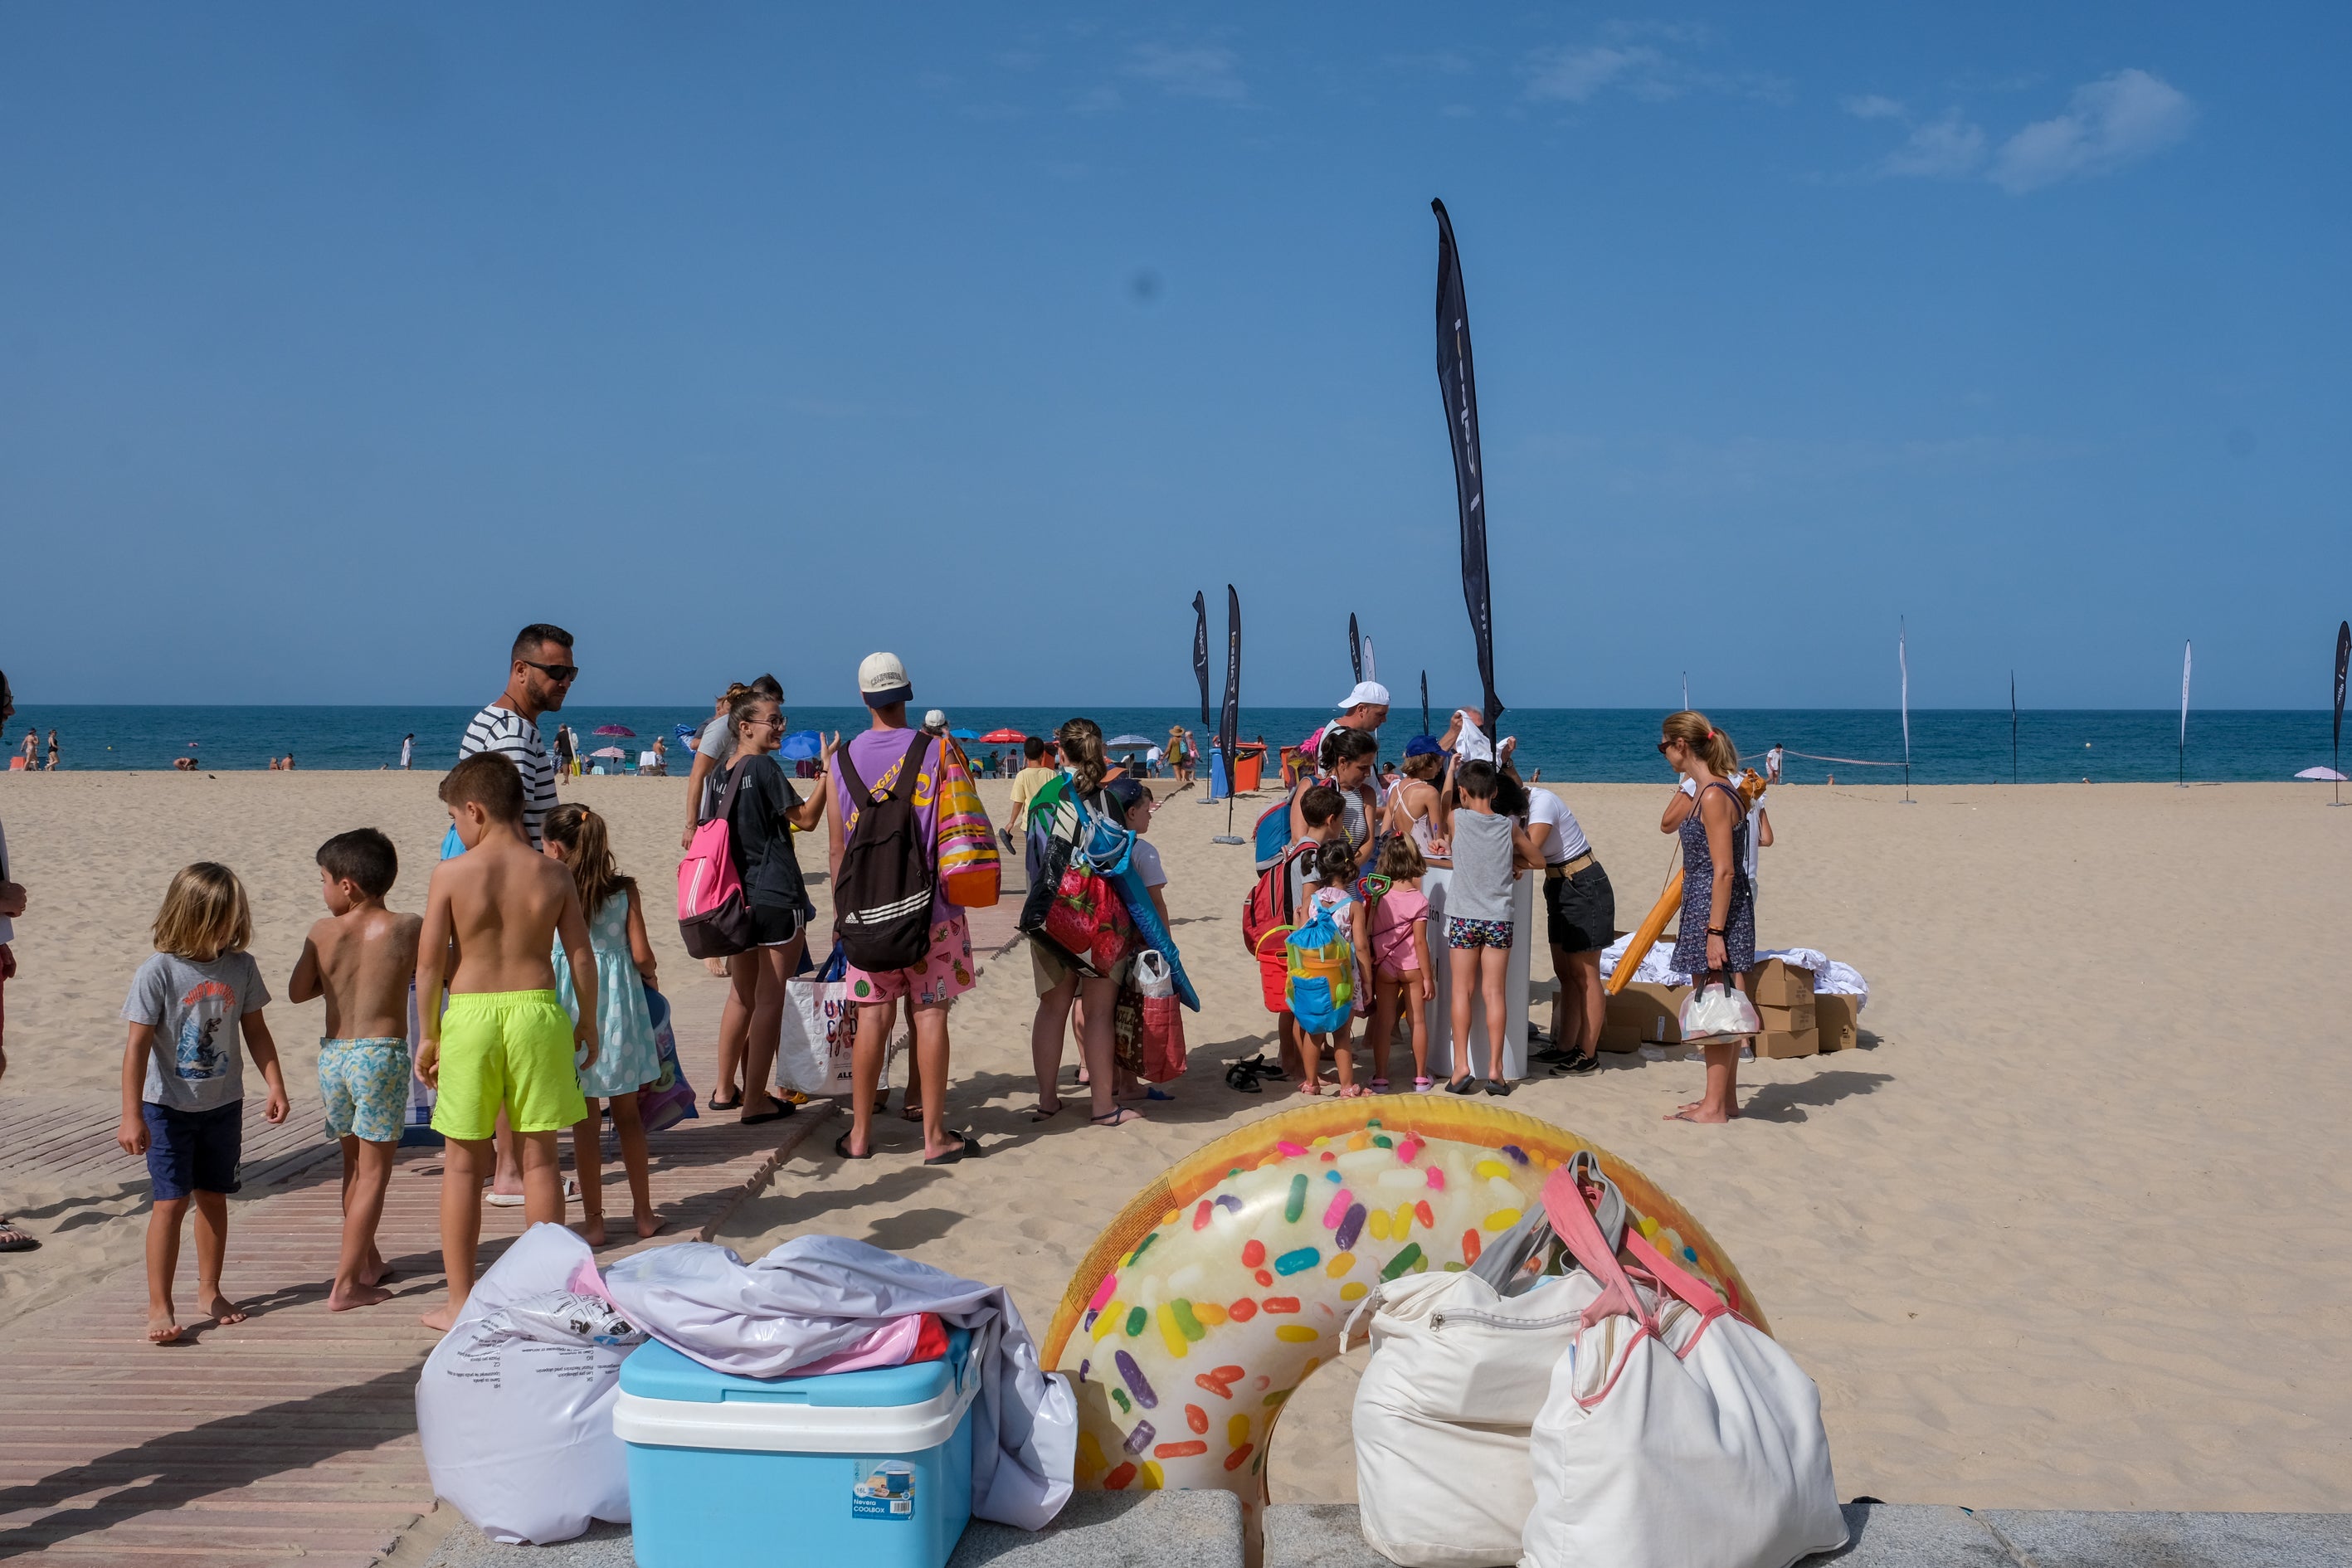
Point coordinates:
[(1525, 934)]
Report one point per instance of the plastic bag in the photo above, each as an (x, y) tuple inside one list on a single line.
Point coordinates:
[(1718, 1012), (515, 1404)]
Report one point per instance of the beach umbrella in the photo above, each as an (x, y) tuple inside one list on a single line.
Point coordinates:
[(614, 729), (801, 745), (1129, 741), (2324, 774), (1003, 737), (965, 734), (610, 751)]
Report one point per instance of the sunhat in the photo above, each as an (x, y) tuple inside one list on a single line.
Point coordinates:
[(882, 680)]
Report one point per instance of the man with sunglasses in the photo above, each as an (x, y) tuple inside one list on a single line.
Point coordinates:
[(539, 675)]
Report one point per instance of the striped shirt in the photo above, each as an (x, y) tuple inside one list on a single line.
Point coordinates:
[(516, 738)]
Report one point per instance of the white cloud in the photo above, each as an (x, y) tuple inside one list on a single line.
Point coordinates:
[(1872, 106), (2111, 122), (1575, 75), (1201, 72), (1946, 149)]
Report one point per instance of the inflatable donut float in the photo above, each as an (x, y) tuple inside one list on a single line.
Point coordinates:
[(1227, 1281)]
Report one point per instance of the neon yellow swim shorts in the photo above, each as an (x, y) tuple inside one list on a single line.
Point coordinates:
[(510, 1047)]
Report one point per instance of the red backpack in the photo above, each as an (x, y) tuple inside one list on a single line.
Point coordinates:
[(1268, 907)]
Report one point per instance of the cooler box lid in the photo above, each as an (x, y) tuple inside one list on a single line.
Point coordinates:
[(670, 1400), (655, 1371)]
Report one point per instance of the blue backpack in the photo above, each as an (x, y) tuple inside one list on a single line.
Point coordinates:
[(1321, 985)]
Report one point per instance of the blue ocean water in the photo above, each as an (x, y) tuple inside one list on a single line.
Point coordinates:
[(1595, 744)]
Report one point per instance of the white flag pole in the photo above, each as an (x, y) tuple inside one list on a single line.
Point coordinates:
[(2182, 781), (1903, 663)]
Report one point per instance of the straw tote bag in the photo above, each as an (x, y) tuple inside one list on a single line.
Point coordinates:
[(1674, 1433)]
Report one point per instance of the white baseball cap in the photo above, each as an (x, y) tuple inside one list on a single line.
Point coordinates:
[(937, 718), (882, 680), (1370, 691)]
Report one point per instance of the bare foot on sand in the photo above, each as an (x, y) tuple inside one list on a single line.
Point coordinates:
[(162, 1328), (220, 1308), (1697, 1113), (442, 1317), (649, 1226), (591, 1229), (341, 1300), (379, 1273)]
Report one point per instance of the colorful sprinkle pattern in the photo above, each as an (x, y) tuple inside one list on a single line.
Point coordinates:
[(1243, 1284)]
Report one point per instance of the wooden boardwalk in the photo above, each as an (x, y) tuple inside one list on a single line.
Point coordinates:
[(292, 1433)]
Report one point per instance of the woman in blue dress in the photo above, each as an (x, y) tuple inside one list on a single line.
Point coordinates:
[(626, 1059), (1718, 939)]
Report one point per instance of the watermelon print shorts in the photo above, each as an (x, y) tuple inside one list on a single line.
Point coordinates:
[(944, 974)]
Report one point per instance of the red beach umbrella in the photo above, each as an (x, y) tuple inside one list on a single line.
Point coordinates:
[(1002, 737)]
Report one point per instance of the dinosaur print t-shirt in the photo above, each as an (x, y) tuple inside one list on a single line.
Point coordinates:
[(198, 1062)]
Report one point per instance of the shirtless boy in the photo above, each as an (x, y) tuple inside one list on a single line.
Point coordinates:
[(497, 911), (361, 958)]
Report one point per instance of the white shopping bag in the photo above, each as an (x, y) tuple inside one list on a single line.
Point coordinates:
[(820, 1031)]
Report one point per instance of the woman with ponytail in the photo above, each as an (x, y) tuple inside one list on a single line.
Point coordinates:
[(760, 824), (1060, 810), (1718, 940), (626, 1059)]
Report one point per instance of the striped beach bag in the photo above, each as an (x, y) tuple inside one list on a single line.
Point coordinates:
[(968, 860)]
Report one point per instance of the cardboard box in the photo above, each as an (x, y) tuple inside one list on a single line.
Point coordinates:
[(1620, 1037), (1788, 1020), (1838, 1018), (1783, 1042), (1776, 983), (1653, 1011)]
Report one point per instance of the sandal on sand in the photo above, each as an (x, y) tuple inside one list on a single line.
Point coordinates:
[(1039, 1113), (841, 1147), (777, 1110), (1497, 1087), (967, 1144), (1379, 1085), (1242, 1077), (1423, 1085), (1351, 1092), (1307, 1086), (516, 1200), (1119, 1118), (1461, 1086), (13, 1240), (715, 1103)]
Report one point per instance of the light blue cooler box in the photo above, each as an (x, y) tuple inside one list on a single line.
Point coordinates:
[(866, 1467)]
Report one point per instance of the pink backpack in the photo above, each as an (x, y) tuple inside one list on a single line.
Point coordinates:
[(713, 916)]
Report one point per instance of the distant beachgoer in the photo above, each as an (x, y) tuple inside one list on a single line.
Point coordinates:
[(183, 1081), (1718, 939), (626, 1056), (184, 764), (539, 673), (289, 761), (1772, 764), (1033, 776), (566, 755), (408, 750), (935, 723), (1580, 919), (767, 810), (1180, 752), (944, 972), (12, 904), (53, 751), (32, 749), (361, 959)]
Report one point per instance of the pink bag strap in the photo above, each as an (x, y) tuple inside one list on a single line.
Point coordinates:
[(1673, 1277), (1570, 1212)]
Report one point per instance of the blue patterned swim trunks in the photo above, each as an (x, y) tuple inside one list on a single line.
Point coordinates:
[(364, 1084), (1462, 932)]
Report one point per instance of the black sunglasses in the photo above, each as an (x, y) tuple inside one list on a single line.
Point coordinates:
[(561, 674), (1662, 746)]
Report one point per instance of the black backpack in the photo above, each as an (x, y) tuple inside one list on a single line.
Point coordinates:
[(882, 894)]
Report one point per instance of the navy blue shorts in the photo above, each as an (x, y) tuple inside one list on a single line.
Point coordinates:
[(194, 1150)]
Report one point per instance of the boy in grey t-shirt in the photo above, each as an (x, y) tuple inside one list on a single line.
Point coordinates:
[(184, 1085)]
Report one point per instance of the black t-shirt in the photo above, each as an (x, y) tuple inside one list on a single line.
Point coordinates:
[(763, 836)]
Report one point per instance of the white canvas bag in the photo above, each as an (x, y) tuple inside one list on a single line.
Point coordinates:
[(1459, 1368), (820, 1026), (1674, 1433)]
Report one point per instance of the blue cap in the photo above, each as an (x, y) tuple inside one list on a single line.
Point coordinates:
[(1423, 746)]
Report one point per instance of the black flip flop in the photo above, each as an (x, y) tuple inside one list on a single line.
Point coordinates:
[(1241, 1078), (783, 1108), (841, 1147), (967, 1144), (1497, 1087), (1461, 1086), (715, 1103)]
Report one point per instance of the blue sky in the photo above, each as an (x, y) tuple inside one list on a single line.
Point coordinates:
[(336, 342)]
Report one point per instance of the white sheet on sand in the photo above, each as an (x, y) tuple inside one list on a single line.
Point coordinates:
[(815, 1295), (1831, 978)]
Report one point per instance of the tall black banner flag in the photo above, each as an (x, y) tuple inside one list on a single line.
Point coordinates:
[(1200, 655), (2343, 659), (1424, 702), (1459, 388), (1229, 720), (1355, 650)]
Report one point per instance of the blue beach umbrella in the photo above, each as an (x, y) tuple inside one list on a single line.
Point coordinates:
[(965, 734), (800, 746)]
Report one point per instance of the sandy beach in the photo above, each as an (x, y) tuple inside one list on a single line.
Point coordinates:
[(2069, 1230)]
